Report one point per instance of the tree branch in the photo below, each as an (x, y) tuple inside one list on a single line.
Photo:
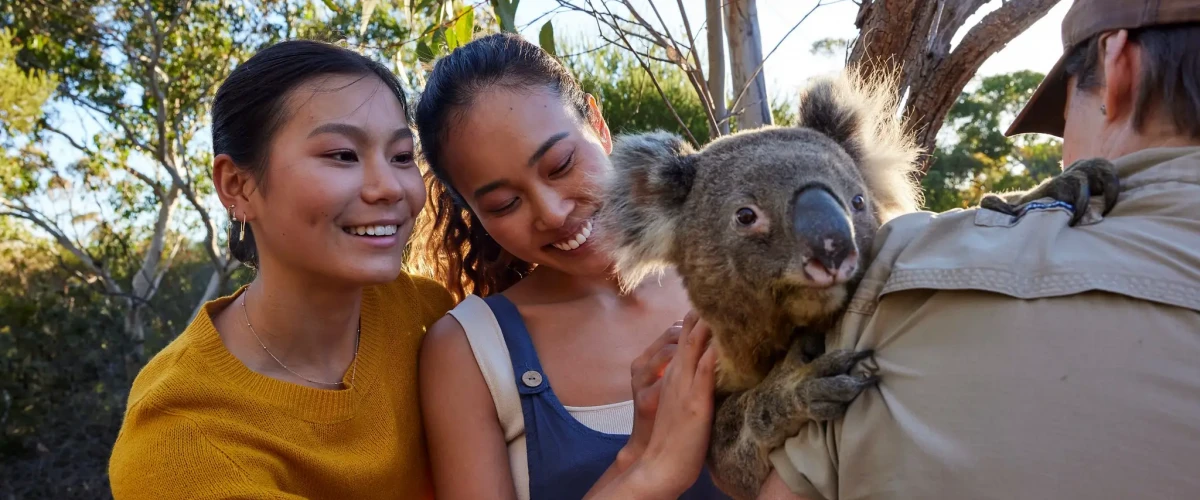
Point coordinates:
[(942, 80), (662, 94), (23, 211), (754, 77), (696, 74), (160, 101), (143, 279), (130, 135), (149, 181)]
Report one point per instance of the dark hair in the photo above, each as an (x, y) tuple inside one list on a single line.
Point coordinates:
[(451, 245), (1170, 78), (250, 106)]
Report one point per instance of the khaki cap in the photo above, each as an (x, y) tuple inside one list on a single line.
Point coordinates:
[(1044, 113)]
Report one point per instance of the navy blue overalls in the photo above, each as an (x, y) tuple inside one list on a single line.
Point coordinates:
[(566, 458)]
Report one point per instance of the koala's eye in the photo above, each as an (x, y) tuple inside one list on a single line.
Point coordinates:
[(746, 216), (858, 202)]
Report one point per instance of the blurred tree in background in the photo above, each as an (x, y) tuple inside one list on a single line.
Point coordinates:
[(976, 158)]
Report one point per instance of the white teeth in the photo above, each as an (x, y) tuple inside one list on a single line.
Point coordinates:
[(576, 241), (371, 230)]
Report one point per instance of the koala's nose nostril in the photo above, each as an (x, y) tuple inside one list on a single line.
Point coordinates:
[(824, 229)]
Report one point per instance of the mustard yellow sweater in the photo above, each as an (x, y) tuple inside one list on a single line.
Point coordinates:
[(202, 425)]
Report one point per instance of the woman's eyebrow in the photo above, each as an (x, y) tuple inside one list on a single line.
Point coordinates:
[(401, 134), (489, 187), (357, 134), (340, 129), (541, 150)]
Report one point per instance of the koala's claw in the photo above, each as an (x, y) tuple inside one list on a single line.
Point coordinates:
[(827, 398), (837, 362), (829, 387), (1095, 175)]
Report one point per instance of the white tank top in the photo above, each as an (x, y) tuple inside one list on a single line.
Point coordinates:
[(491, 353)]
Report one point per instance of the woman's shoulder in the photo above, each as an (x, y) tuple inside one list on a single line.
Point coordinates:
[(178, 367), (434, 299), (461, 335)]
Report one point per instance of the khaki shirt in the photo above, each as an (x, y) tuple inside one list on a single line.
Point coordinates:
[(1025, 359)]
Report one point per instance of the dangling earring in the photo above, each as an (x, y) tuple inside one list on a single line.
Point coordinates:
[(1103, 110), (233, 215)]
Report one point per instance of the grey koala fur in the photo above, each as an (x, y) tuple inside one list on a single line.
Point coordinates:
[(770, 230)]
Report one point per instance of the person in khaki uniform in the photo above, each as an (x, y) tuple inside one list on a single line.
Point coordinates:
[(1025, 358)]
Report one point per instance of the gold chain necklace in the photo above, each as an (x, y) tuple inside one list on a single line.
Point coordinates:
[(353, 365)]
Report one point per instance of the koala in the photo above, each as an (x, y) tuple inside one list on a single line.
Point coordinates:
[(770, 230)]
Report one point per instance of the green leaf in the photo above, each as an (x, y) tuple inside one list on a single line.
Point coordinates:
[(464, 28), (332, 6), (506, 13), (424, 52), (546, 38)]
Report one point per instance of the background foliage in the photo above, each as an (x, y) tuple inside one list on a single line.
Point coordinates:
[(80, 130)]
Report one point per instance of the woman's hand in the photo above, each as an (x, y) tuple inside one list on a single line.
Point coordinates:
[(646, 378), (673, 417), (678, 444)]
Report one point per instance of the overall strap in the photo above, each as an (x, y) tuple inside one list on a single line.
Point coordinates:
[(525, 364)]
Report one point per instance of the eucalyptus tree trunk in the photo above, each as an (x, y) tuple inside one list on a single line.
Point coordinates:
[(750, 104)]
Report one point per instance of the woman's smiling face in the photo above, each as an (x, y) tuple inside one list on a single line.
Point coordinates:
[(527, 165), (341, 187)]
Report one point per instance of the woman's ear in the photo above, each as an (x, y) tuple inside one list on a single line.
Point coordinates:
[(233, 186), (1121, 64), (596, 120)]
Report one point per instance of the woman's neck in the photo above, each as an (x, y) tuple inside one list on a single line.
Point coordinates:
[(307, 324), (555, 283), (304, 319)]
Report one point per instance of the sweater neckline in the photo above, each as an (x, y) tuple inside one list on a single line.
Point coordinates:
[(307, 403)]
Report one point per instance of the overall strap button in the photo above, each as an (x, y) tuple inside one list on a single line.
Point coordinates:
[(532, 378)]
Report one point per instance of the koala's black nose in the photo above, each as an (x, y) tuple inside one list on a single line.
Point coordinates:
[(824, 228)]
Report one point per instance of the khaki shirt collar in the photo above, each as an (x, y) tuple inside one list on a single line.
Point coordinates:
[(1155, 165)]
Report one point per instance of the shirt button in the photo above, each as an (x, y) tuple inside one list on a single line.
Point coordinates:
[(532, 378)]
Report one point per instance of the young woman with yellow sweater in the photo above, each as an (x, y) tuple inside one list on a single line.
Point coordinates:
[(302, 384)]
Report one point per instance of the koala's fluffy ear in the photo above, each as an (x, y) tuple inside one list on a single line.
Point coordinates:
[(861, 116), (643, 202), (823, 110)]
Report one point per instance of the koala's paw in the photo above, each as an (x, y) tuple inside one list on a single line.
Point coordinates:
[(1094, 177), (1075, 186), (830, 387)]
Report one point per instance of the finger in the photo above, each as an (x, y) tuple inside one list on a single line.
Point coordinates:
[(673, 366), (689, 319), (692, 347), (702, 332), (706, 370), (654, 368), (669, 337)]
